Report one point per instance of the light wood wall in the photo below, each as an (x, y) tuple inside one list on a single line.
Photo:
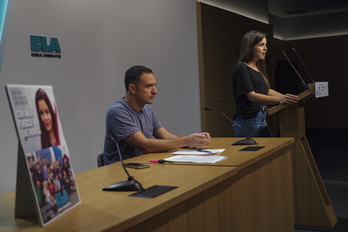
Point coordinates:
[(220, 33)]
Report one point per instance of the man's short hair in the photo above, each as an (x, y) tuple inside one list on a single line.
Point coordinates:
[(134, 73)]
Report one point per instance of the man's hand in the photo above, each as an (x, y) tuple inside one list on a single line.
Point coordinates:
[(198, 139)]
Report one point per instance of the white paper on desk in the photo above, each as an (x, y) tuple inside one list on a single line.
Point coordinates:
[(196, 152), (196, 158)]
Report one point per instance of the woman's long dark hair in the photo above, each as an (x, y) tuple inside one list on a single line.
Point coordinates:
[(45, 139), (249, 41)]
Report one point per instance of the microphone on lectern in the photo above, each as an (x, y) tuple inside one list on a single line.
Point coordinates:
[(129, 185), (302, 64), (247, 141), (304, 84)]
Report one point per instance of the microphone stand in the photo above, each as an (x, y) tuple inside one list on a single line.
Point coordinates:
[(129, 185), (247, 141), (304, 84), (303, 64)]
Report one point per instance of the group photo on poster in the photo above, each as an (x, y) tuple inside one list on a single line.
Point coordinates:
[(46, 153)]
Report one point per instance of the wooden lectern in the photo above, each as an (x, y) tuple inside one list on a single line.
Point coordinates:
[(312, 205)]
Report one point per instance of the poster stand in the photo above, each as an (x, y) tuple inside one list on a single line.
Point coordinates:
[(25, 199), (46, 186)]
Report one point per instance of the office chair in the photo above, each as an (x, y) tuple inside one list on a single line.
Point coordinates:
[(100, 160)]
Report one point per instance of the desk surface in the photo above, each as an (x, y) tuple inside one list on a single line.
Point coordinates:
[(235, 157)]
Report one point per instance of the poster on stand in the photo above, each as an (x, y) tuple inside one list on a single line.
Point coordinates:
[(45, 178)]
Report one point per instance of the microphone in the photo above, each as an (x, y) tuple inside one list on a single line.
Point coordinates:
[(302, 64), (129, 185), (247, 141), (304, 84)]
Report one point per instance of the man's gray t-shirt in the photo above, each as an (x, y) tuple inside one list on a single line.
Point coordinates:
[(123, 121)]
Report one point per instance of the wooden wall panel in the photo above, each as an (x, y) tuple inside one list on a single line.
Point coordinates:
[(326, 60), (220, 33)]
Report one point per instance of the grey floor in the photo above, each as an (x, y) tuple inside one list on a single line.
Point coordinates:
[(333, 167)]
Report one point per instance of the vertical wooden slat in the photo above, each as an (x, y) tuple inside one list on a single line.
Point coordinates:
[(220, 33)]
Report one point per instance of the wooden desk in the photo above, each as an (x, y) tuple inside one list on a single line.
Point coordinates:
[(198, 187), (256, 197), (263, 196)]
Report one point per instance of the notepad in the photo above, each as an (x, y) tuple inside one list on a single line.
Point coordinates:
[(197, 152), (196, 158)]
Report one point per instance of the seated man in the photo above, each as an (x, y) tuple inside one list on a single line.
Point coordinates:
[(133, 123)]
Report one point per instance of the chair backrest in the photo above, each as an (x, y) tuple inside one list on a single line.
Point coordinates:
[(100, 160)]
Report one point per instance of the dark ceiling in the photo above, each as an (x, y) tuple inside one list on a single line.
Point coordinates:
[(299, 8)]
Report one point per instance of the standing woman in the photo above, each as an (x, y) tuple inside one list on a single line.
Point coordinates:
[(48, 120), (251, 88)]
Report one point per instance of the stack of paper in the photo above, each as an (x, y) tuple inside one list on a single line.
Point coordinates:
[(196, 158), (198, 151)]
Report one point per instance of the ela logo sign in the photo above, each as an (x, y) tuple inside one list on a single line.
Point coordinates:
[(40, 48)]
